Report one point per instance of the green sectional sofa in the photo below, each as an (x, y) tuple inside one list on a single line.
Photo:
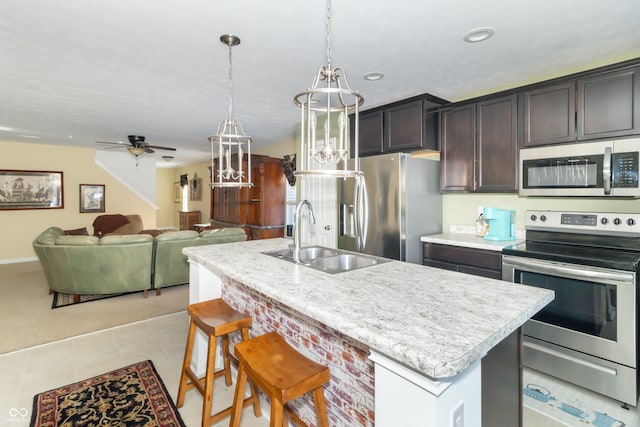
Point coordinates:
[(121, 263), (89, 265), (170, 266)]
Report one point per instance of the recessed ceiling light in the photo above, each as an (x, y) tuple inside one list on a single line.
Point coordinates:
[(30, 136), (479, 34), (5, 128), (373, 76)]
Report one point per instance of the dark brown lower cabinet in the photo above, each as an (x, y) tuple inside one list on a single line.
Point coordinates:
[(480, 262), (502, 383)]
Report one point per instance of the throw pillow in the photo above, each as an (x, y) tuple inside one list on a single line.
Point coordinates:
[(77, 232)]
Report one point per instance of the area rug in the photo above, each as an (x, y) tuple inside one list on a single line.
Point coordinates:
[(130, 396), (571, 405), (63, 300)]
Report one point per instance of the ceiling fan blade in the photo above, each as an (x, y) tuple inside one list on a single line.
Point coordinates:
[(161, 148), (111, 143), (148, 150)]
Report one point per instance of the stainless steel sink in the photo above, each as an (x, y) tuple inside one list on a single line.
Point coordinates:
[(327, 259)]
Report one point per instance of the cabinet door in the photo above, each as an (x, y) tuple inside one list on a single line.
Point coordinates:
[(497, 145), (609, 104), (457, 154), (370, 129), (255, 213), (549, 115), (403, 127)]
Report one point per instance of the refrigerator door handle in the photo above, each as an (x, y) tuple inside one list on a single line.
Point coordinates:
[(362, 212)]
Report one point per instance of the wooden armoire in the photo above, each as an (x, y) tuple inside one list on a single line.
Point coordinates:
[(260, 209)]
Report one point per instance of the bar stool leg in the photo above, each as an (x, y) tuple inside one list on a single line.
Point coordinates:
[(321, 407), (208, 382), (257, 409), (186, 364), (238, 397), (276, 413), (225, 357)]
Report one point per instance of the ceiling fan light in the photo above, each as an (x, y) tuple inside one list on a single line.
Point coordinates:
[(136, 151)]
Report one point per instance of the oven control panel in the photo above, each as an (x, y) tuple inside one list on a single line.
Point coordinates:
[(584, 222)]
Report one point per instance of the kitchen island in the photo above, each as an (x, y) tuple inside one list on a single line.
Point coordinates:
[(404, 342)]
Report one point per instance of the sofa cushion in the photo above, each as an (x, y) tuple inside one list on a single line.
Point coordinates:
[(77, 240), (48, 237), (224, 235), (177, 235), (77, 232), (125, 239), (152, 233)]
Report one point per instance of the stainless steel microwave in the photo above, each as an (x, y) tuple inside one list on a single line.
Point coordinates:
[(588, 169)]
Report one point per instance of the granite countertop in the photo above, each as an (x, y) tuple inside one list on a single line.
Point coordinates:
[(470, 241), (435, 321)]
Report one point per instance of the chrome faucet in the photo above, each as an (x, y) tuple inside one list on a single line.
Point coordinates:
[(296, 227)]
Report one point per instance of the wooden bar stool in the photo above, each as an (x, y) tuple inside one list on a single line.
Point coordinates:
[(216, 319), (283, 374)]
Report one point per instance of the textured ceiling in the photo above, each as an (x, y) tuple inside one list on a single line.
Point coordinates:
[(76, 71)]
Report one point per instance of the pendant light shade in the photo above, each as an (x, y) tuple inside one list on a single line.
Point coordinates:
[(230, 141), (324, 121)]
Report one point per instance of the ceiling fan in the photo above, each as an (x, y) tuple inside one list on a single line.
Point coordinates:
[(137, 145)]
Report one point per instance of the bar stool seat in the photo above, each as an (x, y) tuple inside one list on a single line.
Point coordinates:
[(216, 319), (282, 374)]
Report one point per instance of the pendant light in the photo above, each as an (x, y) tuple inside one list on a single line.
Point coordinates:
[(329, 100), (229, 140)]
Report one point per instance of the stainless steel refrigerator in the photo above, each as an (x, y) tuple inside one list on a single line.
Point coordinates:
[(387, 212)]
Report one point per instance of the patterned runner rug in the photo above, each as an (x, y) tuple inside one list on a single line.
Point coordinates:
[(130, 396), (63, 300)]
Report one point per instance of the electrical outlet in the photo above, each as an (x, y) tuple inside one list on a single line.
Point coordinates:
[(457, 417)]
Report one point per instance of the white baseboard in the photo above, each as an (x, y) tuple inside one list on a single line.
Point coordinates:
[(17, 260)]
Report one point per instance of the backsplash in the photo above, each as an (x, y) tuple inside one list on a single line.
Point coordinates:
[(460, 210)]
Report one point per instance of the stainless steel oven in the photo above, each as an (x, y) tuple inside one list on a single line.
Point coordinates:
[(588, 334)]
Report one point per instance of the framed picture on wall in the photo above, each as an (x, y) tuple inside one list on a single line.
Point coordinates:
[(177, 192), (92, 198), (195, 192), (23, 189)]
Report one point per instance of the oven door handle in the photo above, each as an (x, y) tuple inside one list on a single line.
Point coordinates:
[(588, 364), (566, 271)]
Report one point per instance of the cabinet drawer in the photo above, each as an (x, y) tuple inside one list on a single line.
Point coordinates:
[(481, 258), (440, 264), (492, 274)]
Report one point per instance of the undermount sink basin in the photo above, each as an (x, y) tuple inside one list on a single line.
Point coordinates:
[(327, 259)]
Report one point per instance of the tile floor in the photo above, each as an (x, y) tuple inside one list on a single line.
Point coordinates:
[(27, 372)]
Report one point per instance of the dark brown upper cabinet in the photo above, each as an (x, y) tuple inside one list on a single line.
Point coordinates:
[(479, 144), (549, 115), (497, 145), (370, 141), (457, 155), (609, 104), (602, 105), (402, 126)]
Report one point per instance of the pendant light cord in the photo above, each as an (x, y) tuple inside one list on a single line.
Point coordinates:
[(329, 34), (230, 88)]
